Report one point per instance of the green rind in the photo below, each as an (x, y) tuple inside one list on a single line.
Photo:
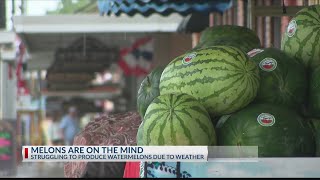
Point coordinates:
[(305, 43), (243, 44), (140, 135), (176, 119), (316, 131), (222, 78), (286, 85), (229, 31), (289, 136), (314, 92), (149, 89)]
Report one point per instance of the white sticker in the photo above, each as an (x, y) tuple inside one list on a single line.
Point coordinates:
[(268, 64), (254, 52), (188, 58), (266, 119), (292, 28)]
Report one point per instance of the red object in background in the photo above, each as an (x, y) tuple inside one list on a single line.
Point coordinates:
[(127, 67), (21, 83), (132, 170)]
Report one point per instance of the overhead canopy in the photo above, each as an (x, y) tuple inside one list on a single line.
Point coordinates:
[(162, 7), (44, 34)]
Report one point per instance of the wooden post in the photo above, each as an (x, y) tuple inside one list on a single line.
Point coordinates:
[(195, 39), (224, 18), (230, 16), (211, 19), (251, 15), (268, 28), (240, 13), (260, 24), (219, 19)]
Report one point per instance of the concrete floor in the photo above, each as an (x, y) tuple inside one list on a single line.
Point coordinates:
[(38, 170)]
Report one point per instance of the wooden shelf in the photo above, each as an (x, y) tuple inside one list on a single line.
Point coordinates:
[(255, 10), (276, 11), (94, 93)]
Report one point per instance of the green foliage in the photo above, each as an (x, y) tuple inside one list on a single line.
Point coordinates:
[(75, 6)]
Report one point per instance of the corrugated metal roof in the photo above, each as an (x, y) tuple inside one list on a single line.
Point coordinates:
[(163, 7)]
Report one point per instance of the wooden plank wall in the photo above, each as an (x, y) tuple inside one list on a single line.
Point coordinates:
[(269, 29)]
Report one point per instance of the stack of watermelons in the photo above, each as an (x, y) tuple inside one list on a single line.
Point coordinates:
[(228, 91)]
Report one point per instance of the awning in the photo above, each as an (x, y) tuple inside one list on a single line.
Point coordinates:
[(163, 7)]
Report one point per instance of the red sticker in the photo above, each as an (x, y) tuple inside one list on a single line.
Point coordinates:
[(266, 119), (188, 59), (268, 64), (292, 28)]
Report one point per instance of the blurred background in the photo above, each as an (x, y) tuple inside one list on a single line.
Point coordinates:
[(93, 55)]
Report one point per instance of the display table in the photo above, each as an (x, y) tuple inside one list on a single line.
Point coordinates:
[(105, 130)]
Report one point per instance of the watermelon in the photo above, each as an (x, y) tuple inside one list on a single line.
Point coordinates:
[(149, 89), (229, 32), (140, 135), (283, 80), (243, 44), (314, 92), (176, 119), (302, 37), (316, 130), (277, 131), (222, 78)]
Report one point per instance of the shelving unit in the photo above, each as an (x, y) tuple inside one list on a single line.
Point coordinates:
[(105, 93), (255, 10)]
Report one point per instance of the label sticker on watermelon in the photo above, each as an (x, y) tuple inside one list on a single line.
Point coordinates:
[(266, 119), (254, 52), (188, 58), (292, 28), (268, 64)]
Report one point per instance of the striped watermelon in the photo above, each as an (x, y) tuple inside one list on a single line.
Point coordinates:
[(222, 78), (149, 89), (176, 119), (314, 93), (302, 37), (283, 80), (229, 32), (276, 130), (140, 135)]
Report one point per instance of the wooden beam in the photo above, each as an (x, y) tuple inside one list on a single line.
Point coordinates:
[(211, 19), (276, 11), (251, 15), (88, 94), (268, 27), (195, 39), (240, 13), (260, 24), (230, 15)]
